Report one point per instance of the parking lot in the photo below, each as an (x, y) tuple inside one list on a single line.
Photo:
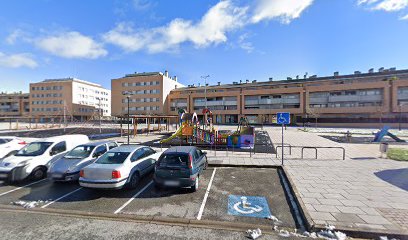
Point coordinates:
[(220, 197)]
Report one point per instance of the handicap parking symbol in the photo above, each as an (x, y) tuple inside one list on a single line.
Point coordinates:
[(248, 206)]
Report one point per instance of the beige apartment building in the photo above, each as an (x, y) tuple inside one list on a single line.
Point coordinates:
[(147, 93), (14, 104), (74, 98), (359, 99)]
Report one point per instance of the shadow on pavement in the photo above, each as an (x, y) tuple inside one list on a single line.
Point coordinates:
[(397, 177)]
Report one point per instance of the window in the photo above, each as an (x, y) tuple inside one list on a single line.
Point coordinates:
[(196, 154), (113, 158), (59, 148), (112, 145), (99, 151), (148, 151), (137, 155)]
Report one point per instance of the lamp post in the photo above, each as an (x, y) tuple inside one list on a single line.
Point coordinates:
[(128, 114), (205, 97)]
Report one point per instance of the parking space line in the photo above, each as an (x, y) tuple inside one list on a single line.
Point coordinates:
[(200, 213), (15, 189), (134, 196), (66, 195)]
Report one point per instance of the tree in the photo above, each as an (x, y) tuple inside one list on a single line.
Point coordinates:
[(314, 113)]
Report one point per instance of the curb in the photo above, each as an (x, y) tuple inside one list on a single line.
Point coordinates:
[(208, 224), (219, 165)]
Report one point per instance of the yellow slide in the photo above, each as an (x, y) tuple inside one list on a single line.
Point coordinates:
[(176, 134)]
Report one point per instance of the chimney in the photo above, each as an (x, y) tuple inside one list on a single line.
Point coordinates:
[(166, 73), (199, 84), (336, 74), (381, 69), (247, 81), (253, 81), (219, 83), (357, 72), (240, 81), (371, 70), (305, 76), (288, 78), (270, 79), (393, 69), (175, 78)]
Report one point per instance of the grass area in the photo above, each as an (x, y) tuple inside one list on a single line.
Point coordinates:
[(399, 154)]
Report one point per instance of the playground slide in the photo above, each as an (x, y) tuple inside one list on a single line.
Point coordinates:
[(176, 134)]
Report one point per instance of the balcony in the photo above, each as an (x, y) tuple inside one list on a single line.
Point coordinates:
[(318, 100), (180, 104), (402, 96), (344, 98)]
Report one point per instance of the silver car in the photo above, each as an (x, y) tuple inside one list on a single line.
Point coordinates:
[(67, 167)]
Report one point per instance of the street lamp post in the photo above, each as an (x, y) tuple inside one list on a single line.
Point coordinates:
[(128, 118), (205, 95)]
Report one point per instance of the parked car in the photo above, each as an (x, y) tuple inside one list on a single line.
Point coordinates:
[(10, 145), (180, 167), (119, 167), (31, 161), (68, 166)]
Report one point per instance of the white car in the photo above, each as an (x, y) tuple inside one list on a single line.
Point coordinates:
[(119, 167), (31, 161), (10, 146)]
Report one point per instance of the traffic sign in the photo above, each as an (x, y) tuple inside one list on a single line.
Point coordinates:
[(283, 118), (248, 206)]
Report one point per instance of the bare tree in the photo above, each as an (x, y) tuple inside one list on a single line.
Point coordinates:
[(314, 113)]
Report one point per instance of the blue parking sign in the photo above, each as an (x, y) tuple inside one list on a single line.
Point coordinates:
[(283, 118), (248, 206)]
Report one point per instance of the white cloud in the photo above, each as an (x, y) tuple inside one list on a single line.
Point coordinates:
[(404, 17), (17, 60), (142, 5), (211, 29), (244, 44), (284, 10), (385, 5), (72, 45), (13, 36)]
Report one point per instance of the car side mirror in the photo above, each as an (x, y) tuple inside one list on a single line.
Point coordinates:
[(204, 153)]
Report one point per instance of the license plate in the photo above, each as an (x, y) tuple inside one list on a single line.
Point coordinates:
[(172, 183), (57, 175)]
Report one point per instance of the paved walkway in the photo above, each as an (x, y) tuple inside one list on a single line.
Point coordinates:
[(363, 192)]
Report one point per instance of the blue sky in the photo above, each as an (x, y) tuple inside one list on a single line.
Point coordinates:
[(230, 40)]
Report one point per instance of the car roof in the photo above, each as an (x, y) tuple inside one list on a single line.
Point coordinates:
[(8, 137), (97, 143), (180, 149), (126, 148), (62, 137)]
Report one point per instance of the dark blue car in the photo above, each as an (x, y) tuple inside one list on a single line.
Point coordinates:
[(180, 167)]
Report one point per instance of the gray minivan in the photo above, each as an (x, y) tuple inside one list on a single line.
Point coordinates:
[(180, 167)]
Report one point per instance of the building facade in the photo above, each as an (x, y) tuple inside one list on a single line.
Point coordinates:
[(14, 104), (363, 99), (147, 93), (70, 97)]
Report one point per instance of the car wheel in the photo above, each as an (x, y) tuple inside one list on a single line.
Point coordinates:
[(195, 186), (38, 173), (134, 180)]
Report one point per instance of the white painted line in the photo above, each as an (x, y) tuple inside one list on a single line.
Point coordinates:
[(66, 195), (15, 189), (134, 196), (200, 213)]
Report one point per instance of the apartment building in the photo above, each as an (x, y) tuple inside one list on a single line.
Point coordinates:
[(146, 92), (14, 104), (75, 98), (363, 99)]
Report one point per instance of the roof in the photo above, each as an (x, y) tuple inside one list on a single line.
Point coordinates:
[(69, 79), (383, 74), (97, 143), (182, 149), (56, 138), (127, 148)]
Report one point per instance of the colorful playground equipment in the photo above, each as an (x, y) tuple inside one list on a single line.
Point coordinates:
[(192, 132)]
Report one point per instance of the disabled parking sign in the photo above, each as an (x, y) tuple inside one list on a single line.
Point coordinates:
[(248, 206)]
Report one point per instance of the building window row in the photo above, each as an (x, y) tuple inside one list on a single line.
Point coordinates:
[(151, 108), (136, 84), (47, 109), (136, 100), (46, 95), (47, 88), (152, 91), (47, 102)]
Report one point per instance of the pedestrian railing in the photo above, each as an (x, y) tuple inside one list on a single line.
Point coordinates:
[(308, 147)]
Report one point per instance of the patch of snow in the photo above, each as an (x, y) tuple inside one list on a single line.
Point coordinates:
[(254, 234), (28, 204), (328, 233)]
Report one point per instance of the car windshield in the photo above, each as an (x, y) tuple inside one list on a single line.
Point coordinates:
[(82, 151), (113, 158), (173, 160), (4, 140), (34, 149)]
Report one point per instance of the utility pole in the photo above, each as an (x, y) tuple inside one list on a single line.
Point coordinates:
[(205, 97), (100, 116), (65, 116), (128, 118)]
